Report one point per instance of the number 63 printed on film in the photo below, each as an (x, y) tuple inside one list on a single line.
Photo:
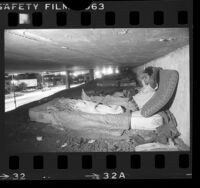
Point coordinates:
[(96, 6)]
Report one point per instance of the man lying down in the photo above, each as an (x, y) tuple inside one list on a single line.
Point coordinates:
[(112, 112), (117, 104)]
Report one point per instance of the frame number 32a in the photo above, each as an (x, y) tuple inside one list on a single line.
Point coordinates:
[(114, 175)]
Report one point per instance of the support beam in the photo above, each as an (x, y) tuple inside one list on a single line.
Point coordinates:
[(91, 73), (67, 80)]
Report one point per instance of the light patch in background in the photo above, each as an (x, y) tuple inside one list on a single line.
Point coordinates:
[(24, 19), (100, 72)]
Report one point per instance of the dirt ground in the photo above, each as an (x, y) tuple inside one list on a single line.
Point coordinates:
[(22, 135)]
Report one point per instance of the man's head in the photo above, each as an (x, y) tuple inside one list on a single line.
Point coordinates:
[(149, 77), (148, 72)]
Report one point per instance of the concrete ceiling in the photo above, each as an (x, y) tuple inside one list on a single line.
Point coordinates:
[(35, 50)]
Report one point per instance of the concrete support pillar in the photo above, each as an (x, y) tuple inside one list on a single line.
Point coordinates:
[(67, 80), (91, 73), (85, 78)]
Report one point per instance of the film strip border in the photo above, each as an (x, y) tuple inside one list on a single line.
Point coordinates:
[(105, 14), (100, 165), (97, 166), (86, 18)]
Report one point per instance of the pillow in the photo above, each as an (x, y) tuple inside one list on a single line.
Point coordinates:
[(168, 80)]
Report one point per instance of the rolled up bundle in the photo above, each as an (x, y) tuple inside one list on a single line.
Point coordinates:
[(156, 147), (142, 123)]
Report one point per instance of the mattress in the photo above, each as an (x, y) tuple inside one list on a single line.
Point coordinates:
[(60, 112)]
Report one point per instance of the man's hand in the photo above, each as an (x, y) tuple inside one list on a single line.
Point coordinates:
[(136, 108)]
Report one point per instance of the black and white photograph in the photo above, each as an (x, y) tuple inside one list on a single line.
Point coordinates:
[(97, 90)]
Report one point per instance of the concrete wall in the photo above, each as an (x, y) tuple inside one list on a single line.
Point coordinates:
[(178, 60)]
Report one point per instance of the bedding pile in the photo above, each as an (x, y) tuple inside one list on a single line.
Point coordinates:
[(117, 81), (118, 110), (85, 115)]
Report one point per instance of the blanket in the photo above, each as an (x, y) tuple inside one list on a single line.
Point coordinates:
[(168, 129)]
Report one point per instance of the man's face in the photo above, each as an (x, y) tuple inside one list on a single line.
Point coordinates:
[(145, 79)]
